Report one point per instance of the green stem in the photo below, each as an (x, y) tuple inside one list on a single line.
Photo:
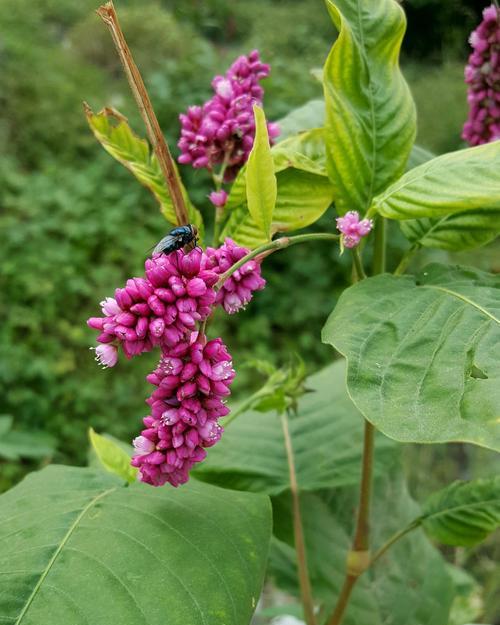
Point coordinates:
[(361, 540), (242, 407), (273, 246), (405, 260), (394, 538), (219, 210), (300, 546), (358, 264), (379, 246)]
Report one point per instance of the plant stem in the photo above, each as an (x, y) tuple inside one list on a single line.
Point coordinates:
[(361, 540), (358, 557), (219, 210), (343, 600), (273, 246), (405, 260), (394, 538), (108, 15), (358, 264), (300, 547), (379, 246), (242, 407)]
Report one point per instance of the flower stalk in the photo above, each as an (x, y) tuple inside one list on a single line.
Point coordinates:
[(109, 16), (300, 546), (358, 559), (278, 244)]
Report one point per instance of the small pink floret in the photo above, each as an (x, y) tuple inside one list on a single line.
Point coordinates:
[(352, 228), (218, 198), (143, 445), (106, 355)]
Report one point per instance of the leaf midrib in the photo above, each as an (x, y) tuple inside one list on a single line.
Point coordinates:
[(463, 298), (464, 506), (56, 553)]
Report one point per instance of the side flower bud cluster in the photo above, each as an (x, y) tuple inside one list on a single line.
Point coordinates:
[(191, 383), (223, 129), (237, 291), (482, 75)]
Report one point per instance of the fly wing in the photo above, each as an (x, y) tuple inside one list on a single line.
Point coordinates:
[(165, 243)]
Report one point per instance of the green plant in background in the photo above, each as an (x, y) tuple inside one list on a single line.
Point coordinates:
[(419, 366)]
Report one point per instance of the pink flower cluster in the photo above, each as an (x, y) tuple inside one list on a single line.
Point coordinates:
[(193, 377), (482, 74), (352, 228), (191, 382), (223, 129), (237, 290)]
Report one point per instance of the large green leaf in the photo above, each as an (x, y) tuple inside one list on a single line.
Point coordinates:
[(112, 131), (78, 547), (326, 434), (463, 513), (260, 178), (423, 353), (370, 115), (459, 181), (410, 585), (303, 191)]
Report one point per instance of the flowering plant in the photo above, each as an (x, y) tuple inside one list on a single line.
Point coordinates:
[(306, 483)]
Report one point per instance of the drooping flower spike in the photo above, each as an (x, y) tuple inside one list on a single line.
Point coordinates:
[(482, 75), (353, 229), (192, 381)]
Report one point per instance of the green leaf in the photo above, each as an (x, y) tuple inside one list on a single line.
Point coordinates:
[(423, 353), (459, 181), (326, 434), (15, 444), (303, 191), (260, 178), (370, 115), (112, 457), (459, 231), (455, 232), (310, 115), (410, 584), (79, 547), (112, 131), (464, 513), (418, 155)]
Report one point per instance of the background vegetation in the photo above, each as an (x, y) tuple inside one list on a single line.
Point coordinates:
[(74, 224)]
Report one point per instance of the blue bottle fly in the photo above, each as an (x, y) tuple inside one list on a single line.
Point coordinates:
[(177, 239)]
